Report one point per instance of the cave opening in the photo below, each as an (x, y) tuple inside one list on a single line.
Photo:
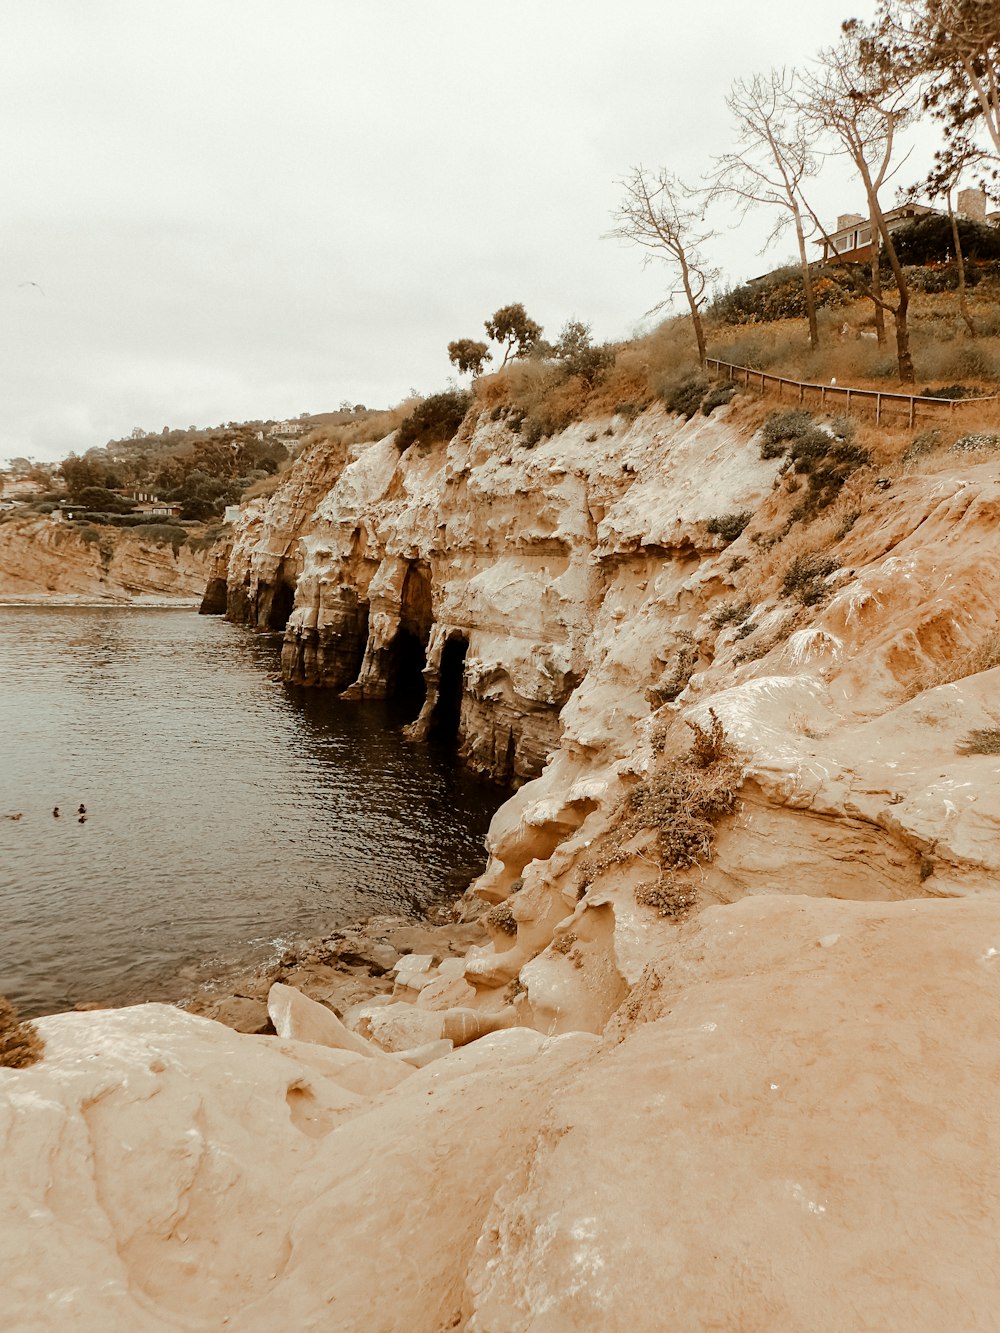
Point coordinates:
[(282, 602), (408, 651), (451, 680), (408, 687)]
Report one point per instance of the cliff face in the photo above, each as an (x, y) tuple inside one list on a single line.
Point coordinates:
[(572, 612), (723, 1058), (477, 571), (42, 560)]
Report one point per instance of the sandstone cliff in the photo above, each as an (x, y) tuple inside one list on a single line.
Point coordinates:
[(41, 561), (725, 1057)]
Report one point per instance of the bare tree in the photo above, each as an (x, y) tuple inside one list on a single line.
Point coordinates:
[(666, 219), (774, 154), (858, 99), (954, 46)]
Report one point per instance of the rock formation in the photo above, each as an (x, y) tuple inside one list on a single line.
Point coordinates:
[(723, 1055), (42, 560)]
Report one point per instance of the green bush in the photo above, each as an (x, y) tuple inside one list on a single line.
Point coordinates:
[(825, 457), (163, 534), (434, 419), (684, 396), (779, 295), (806, 577), (720, 396), (781, 428), (729, 526), (950, 391), (928, 240)]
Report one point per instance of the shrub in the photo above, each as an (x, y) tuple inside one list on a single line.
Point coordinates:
[(950, 391), (720, 396), (676, 675), (434, 419), (684, 396), (806, 578), (928, 240), (982, 740), (731, 613), (20, 1043), (780, 428), (501, 918), (164, 534), (923, 444), (778, 295), (680, 804), (578, 354), (825, 460), (729, 526), (671, 896), (976, 443)]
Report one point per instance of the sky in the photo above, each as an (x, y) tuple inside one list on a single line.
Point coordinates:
[(235, 209)]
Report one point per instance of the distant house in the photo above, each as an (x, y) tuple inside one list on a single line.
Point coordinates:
[(161, 507), (851, 241), (287, 428), (232, 513)]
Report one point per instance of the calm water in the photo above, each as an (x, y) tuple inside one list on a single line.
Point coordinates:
[(226, 813)]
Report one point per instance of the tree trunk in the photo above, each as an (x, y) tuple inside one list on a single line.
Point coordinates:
[(963, 304), (903, 357), (692, 301), (877, 285), (807, 286)]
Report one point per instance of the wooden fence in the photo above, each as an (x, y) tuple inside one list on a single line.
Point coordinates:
[(900, 404)]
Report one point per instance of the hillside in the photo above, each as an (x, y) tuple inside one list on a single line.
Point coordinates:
[(723, 1055)]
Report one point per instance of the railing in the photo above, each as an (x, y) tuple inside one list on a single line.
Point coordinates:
[(859, 399)]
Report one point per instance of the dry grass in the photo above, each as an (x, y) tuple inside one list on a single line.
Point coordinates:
[(942, 350), (20, 1044), (982, 740), (983, 657)]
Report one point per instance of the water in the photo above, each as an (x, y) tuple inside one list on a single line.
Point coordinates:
[(226, 812)]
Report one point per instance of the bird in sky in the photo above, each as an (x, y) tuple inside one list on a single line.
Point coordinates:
[(30, 284)]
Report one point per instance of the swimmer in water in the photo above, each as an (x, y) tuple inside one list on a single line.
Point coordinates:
[(55, 812), (81, 809)]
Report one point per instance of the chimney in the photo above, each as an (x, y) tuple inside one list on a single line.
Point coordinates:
[(848, 220), (972, 204)]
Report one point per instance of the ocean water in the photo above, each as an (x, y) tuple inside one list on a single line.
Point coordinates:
[(226, 813)]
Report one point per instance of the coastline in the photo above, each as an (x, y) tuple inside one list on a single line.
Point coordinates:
[(141, 601), (345, 967)]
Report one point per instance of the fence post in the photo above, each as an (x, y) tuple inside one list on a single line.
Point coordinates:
[(878, 409), (913, 410)]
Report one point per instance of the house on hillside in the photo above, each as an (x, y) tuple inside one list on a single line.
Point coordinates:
[(851, 242), (161, 507)]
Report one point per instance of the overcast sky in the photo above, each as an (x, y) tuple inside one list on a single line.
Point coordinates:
[(237, 209)]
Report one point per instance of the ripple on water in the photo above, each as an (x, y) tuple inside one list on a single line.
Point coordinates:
[(224, 810)]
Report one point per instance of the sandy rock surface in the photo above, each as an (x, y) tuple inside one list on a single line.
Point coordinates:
[(790, 1124)]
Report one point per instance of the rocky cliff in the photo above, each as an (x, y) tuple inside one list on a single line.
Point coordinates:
[(724, 1057), (41, 560)]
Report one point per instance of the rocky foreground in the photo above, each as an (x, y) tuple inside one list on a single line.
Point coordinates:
[(720, 1050)]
